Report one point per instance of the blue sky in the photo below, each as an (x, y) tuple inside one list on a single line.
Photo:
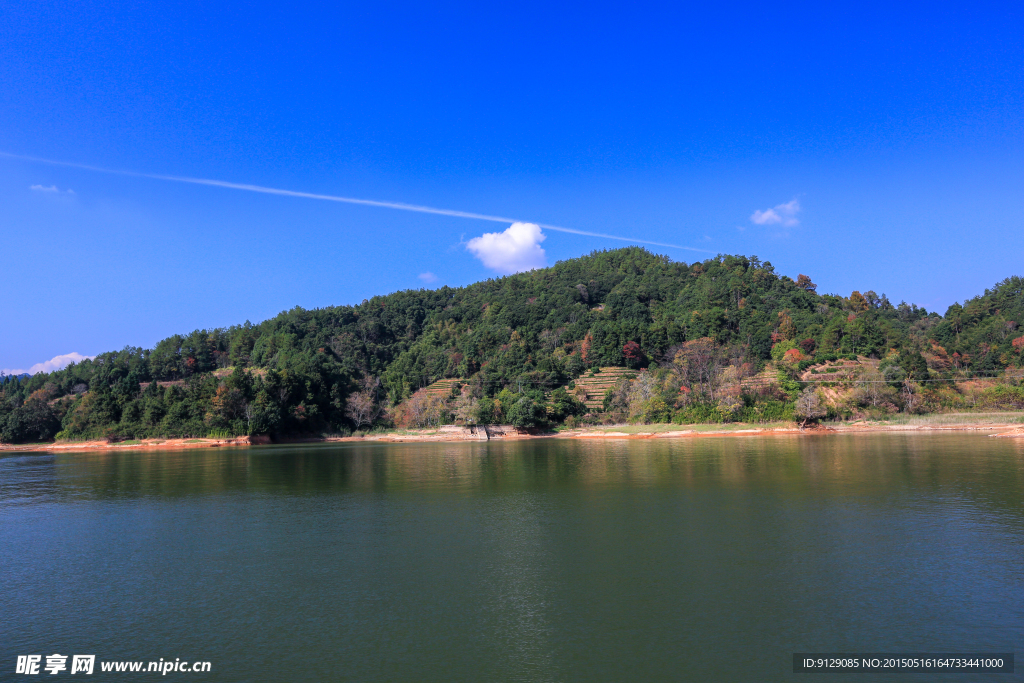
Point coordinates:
[(897, 131)]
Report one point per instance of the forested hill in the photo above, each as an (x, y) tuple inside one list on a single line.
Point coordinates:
[(296, 372)]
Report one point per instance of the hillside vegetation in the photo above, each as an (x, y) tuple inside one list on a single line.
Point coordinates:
[(720, 340)]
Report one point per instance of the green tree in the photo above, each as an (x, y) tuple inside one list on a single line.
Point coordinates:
[(524, 412), (563, 404)]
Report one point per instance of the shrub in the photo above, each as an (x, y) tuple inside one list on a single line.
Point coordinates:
[(651, 410), (702, 413), (1003, 397), (769, 411)]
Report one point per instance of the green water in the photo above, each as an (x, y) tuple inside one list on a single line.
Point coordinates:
[(709, 559)]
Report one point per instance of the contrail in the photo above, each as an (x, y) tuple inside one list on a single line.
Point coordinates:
[(334, 198)]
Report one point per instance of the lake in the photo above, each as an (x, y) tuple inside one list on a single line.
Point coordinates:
[(699, 559)]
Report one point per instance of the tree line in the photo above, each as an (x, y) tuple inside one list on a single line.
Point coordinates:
[(694, 335)]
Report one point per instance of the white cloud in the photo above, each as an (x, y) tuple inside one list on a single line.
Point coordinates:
[(517, 249), (51, 188), (427, 277), (56, 363), (784, 214)]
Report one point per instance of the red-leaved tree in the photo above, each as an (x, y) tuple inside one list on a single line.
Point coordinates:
[(632, 353)]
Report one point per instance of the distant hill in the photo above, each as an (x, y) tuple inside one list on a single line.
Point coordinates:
[(532, 333)]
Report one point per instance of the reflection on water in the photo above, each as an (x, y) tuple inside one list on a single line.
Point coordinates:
[(542, 560), (836, 464)]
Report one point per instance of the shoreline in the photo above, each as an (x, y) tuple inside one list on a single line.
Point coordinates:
[(454, 434)]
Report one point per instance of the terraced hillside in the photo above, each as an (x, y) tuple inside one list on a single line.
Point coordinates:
[(590, 388), (838, 371), (762, 381), (442, 387)]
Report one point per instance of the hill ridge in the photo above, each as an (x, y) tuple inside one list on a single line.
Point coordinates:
[(541, 330)]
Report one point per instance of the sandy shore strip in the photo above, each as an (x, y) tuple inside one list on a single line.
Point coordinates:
[(451, 433), (147, 444)]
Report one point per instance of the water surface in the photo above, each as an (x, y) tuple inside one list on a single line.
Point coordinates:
[(710, 559)]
